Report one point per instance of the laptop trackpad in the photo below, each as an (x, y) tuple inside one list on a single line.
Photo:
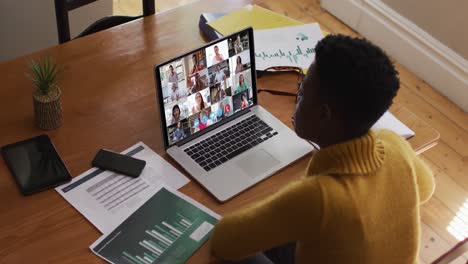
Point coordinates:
[(257, 163)]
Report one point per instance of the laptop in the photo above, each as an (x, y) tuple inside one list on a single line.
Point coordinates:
[(211, 122)]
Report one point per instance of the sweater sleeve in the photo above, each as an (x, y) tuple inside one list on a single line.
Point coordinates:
[(287, 216), (424, 179)]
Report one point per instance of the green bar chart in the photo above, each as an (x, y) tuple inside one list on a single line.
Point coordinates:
[(166, 229), (163, 236)]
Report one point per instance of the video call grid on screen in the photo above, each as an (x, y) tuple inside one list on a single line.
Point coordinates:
[(206, 86)]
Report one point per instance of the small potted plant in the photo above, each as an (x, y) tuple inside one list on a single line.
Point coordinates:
[(46, 94)]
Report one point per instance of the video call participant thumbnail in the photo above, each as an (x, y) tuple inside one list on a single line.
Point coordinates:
[(216, 93), (238, 44), (172, 76), (201, 120), (217, 53), (197, 62), (241, 100), (218, 109), (178, 131), (240, 62), (228, 106), (176, 114), (177, 93), (218, 57), (199, 101), (219, 72), (197, 82), (242, 83)]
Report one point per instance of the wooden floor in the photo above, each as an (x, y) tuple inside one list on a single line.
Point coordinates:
[(448, 160)]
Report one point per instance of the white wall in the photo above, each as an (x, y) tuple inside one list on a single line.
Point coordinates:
[(445, 20), (422, 53), (29, 25)]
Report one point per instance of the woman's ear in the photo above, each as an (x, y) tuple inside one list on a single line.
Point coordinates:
[(325, 112)]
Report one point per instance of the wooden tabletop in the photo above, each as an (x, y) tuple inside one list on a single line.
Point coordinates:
[(109, 101)]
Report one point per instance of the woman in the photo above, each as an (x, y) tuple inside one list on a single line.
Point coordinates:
[(239, 66), (199, 103), (244, 102), (196, 65), (179, 132), (175, 114), (242, 85)]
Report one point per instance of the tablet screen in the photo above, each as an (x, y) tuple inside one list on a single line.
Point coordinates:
[(35, 164)]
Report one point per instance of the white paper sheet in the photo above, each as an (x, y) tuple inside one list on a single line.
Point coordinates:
[(106, 198), (286, 46), (390, 122)]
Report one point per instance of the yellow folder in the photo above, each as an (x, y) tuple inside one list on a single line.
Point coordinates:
[(251, 16)]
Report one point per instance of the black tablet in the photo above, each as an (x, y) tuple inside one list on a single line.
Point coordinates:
[(35, 164)]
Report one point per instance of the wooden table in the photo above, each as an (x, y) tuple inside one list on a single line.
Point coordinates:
[(109, 101)]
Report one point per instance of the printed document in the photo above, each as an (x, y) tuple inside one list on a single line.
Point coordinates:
[(168, 228), (286, 46), (106, 198)]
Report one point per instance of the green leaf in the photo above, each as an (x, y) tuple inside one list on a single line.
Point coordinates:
[(36, 69), (47, 68), (43, 74)]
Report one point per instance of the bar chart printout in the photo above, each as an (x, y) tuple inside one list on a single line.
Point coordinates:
[(168, 228)]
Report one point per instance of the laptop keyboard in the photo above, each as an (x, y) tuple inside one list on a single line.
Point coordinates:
[(227, 144)]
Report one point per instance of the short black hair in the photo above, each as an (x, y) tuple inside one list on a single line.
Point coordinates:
[(358, 77), (174, 108)]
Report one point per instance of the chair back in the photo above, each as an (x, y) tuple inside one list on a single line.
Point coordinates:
[(454, 253), (62, 7)]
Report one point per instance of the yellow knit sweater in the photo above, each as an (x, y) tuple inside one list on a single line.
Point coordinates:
[(358, 203)]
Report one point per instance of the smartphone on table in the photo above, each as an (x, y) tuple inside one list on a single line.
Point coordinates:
[(119, 163)]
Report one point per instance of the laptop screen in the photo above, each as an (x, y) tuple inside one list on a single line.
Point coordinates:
[(206, 86)]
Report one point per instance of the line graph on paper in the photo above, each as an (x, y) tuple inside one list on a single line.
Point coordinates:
[(286, 46), (293, 56)]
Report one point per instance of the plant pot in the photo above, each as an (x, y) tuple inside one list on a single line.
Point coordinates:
[(48, 109)]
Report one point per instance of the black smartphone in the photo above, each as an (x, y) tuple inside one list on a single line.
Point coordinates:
[(120, 163)]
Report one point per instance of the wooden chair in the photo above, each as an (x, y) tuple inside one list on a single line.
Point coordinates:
[(62, 7), (458, 250)]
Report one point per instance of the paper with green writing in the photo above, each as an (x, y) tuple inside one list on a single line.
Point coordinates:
[(286, 46), (168, 228)]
